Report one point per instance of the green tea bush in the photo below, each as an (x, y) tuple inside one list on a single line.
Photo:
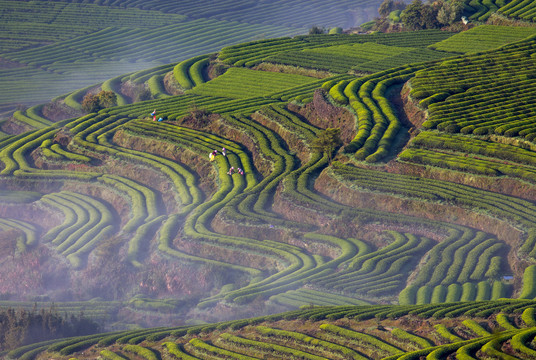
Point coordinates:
[(110, 355), (529, 279), (141, 351)]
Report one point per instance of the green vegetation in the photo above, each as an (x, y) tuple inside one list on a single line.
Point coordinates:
[(368, 56), (285, 50), (243, 83), (107, 40), (482, 38), (279, 176), (463, 90), (518, 9), (360, 338)]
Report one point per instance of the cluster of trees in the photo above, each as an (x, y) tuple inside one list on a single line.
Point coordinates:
[(315, 30), (22, 327), (95, 102), (388, 6), (418, 15)]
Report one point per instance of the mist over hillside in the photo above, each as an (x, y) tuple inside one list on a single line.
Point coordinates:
[(50, 48)]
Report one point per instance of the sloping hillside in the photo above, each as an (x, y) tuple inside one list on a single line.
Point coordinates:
[(48, 48), (116, 193), (456, 330), (313, 170)]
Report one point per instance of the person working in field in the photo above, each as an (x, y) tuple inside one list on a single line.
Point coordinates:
[(212, 155)]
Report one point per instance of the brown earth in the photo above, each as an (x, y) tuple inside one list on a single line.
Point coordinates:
[(35, 213), (229, 254), (225, 224), (411, 112), (503, 185), (349, 194), (288, 69), (130, 90), (324, 114), (57, 111), (171, 85), (291, 209), (14, 127)]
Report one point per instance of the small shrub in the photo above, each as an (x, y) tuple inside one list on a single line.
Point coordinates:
[(315, 30), (95, 102), (90, 104)]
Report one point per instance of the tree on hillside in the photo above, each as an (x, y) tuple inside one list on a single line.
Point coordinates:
[(327, 141), (411, 16), (450, 11), (90, 103), (418, 16), (429, 17), (95, 102), (107, 99), (315, 30), (387, 6)]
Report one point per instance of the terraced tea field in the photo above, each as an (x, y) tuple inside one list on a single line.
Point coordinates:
[(49, 48), (240, 202), (183, 209), (482, 38), (356, 332)]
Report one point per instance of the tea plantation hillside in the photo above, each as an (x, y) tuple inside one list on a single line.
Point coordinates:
[(48, 48), (465, 330), (308, 171), (135, 214)]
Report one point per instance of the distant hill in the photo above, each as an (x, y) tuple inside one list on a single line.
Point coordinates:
[(49, 48)]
